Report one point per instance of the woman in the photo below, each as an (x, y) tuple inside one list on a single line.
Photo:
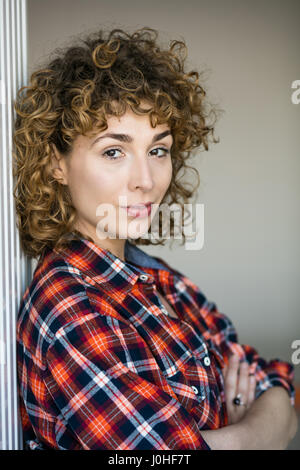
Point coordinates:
[(117, 349)]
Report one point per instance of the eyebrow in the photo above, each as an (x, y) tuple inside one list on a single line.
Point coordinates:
[(127, 138)]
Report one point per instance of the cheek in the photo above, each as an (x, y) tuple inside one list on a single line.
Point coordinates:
[(90, 187), (164, 175)]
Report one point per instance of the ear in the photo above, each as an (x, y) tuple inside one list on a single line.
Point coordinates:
[(59, 166)]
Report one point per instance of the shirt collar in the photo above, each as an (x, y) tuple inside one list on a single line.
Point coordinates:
[(133, 254), (101, 266)]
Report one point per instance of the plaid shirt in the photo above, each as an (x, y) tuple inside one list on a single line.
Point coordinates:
[(101, 364)]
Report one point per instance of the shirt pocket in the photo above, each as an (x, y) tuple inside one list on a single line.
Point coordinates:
[(185, 381)]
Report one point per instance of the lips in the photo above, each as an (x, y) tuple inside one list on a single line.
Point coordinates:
[(140, 206), (140, 210)]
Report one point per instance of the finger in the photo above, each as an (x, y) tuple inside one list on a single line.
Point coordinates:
[(252, 387), (243, 381), (224, 370), (231, 377)]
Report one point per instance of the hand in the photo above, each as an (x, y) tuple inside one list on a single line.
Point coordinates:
[(238, 381)]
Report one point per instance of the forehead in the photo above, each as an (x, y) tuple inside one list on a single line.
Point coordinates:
[(133, 121), (129, 128), (128, 123)]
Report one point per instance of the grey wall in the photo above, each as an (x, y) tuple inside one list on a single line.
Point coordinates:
[(249, 264)]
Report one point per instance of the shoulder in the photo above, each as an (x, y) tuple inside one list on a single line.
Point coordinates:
[(56, 296)]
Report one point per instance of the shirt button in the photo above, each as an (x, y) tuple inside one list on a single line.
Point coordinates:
[(195, 389), (143, 277), (207, 361)]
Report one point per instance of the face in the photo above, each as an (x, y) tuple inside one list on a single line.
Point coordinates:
[(127, 164)]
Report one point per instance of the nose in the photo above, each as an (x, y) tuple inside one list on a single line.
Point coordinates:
[(141, 175)]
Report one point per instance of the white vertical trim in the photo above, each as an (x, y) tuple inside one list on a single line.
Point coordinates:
[(3, 427), (15, 269)]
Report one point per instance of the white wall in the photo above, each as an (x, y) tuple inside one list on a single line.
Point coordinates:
[(249, 264)]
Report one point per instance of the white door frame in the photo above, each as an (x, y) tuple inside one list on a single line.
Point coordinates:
[(15, 267)]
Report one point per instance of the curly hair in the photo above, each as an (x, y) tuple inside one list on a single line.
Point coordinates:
[(73, 95)]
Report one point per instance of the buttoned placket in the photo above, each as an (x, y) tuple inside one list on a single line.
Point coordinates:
[(146, 278)]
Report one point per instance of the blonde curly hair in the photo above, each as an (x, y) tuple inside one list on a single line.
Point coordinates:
[(73, 95)]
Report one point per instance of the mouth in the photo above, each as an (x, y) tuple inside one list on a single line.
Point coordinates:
[(139, 210)]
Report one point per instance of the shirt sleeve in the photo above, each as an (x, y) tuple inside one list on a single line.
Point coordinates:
[(224, 336), (95, 376)]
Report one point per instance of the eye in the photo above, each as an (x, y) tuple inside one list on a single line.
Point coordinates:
[(162, 149), (110, 154)]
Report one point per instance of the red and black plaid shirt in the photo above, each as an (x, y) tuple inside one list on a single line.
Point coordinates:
[(102, 365)]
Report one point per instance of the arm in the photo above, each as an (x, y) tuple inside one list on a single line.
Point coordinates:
[(274, 388), (220, 332), (269, 424), (271, 421), (94, 374)]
